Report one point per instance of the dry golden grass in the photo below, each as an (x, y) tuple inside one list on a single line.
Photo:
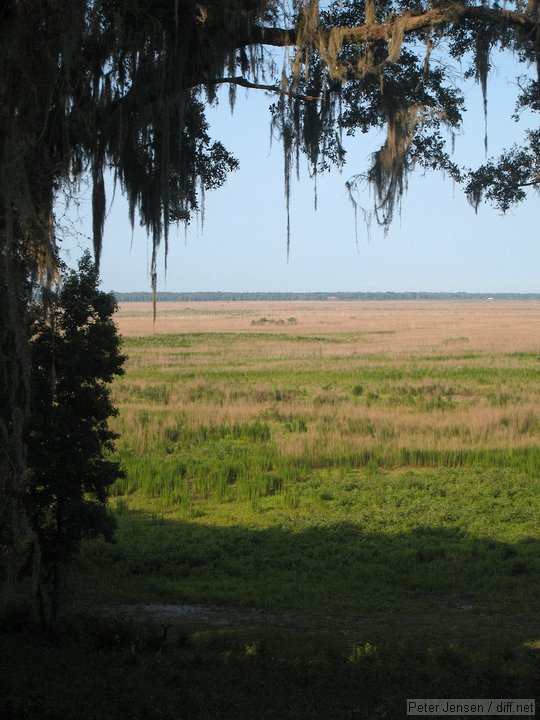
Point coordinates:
[(385, 326), (434, 375)]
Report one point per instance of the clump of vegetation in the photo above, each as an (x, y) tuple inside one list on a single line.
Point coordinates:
[(269, 321)]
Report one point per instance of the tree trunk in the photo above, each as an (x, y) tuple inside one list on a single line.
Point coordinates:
[(15, 532)]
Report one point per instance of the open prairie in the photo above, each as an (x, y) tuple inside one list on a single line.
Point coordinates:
[(407, 433), (372, 326), (341, 491)]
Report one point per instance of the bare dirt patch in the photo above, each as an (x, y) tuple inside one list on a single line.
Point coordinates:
[(454, 618)]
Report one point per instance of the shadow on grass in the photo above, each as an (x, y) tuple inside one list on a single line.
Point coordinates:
[(223, 677), (377, 619), (409, 580)]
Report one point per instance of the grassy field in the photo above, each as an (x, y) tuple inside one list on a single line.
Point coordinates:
[(352, 487)]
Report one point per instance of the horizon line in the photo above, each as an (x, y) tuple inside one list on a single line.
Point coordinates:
[(320, 294)]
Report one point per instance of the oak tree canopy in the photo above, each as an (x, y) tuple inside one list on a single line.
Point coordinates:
[(89, 86)]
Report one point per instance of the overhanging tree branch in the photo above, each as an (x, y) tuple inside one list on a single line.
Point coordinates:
[(243, 82), (289, 37), (284, 37)]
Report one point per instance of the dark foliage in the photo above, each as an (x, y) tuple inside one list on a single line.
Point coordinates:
[(240, 676), (75, 354)]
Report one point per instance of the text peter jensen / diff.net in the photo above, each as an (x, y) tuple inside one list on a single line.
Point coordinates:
[(438, 706)]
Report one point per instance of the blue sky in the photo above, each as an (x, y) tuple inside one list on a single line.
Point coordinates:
[(438, 244)]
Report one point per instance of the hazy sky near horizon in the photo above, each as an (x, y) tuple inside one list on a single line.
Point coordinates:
[(438, 243)]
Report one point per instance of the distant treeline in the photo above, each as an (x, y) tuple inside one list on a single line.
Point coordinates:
[(243, 296)]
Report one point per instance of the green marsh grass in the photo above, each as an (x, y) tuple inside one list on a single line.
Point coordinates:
[(352, 481), (376, 503)]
